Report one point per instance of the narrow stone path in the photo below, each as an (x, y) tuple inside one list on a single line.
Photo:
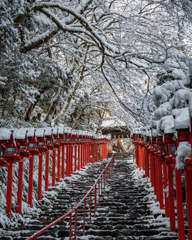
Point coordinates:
[(123, 212)]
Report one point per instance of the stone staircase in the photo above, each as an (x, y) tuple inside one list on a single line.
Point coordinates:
[(123, 212)]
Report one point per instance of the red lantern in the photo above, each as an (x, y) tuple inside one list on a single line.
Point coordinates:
[(49, 138), (41, 141), (61, 136), (56, 142), (22, 140), (33, 148)]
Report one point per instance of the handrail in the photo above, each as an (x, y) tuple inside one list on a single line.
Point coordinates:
[(106, 173)]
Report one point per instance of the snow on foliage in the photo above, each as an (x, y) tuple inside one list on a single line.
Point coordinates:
[(166, 124), (183, 151)]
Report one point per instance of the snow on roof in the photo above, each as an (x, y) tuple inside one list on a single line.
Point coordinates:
[(74, 132), (154, 132), (182, 119), (30, 132), (112, 122), (5, 134), (48, 131), (166, 124), (40, 132), (55, 130), (20, 133), (67, 130), (60, 130)]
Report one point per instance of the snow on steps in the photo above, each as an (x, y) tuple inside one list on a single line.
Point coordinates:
[(123, 213)]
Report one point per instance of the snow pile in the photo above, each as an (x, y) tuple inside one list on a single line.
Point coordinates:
[(30, 132), (183, 151), (182, 119), (182, 98), (48, 131), (20, 133), (166, 124), (163, 110), (5, 134), (40, 132)]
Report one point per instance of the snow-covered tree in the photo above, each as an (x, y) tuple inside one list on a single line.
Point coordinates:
[(121, 43)]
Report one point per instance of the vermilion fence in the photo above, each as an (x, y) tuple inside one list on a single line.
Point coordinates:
[(71, 150), (157, 156), (94, 197)]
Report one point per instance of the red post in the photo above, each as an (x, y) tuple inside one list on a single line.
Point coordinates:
[(83, 160), (71, 160), (179, 197), (58, 164), (160, 185), (94, 152), (20, 185), (188, 176), (99, 152), (151, 170), (85, 154), (79, 156), (40, 176), (63, 162), (171, 199), (154, 174), (67, 161), (30, 190), (46, 170), (165, 187), (75, 158), (53, 168), (82, 155), (9, 189), (157, 176), (147, 154)]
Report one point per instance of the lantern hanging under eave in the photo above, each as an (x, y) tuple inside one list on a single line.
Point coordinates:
[(33, 149), (182, 123), (41, 140), (49, 138), (61, 136), (169, 140), (11, 149), (56, 142), (22, 140)]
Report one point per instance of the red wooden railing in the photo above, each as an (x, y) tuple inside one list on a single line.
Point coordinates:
[(97, 188)]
